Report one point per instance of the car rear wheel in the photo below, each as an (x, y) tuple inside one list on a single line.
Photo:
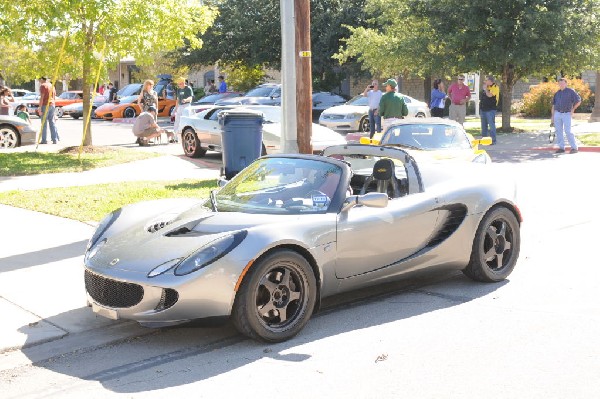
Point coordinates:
[(496, 247), (364, 124), (191, 144), (276, 298), (9, 137), (129, 113), (59, 112)]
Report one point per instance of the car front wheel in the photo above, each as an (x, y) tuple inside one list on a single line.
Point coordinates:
[(129, 113), (9, 137), (59, 112), (496, 247), (191, 144), (276, 298), (364, 124)]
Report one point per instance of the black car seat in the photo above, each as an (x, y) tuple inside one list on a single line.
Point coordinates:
[(384, 177)]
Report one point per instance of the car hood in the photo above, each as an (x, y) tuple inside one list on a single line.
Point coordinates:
[(320, 134), (346, 109), (148, 242)]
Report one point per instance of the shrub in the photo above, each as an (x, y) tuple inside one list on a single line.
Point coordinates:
[(538, 102)]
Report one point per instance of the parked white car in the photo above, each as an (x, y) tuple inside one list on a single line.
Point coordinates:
[(354, 115), (201, 131)]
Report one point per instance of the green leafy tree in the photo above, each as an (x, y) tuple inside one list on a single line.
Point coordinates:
[(103, 31), (249, 31), (242, 77), (510, 39)]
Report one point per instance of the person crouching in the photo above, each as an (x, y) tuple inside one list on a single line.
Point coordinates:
[(145, 127)]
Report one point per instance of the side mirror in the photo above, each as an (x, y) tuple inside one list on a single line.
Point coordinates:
[(373, 200), (221, 182)]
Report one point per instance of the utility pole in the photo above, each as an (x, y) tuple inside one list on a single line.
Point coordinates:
[(303, 75), (289, 138)]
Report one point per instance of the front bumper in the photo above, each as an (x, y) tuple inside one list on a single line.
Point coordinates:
[(341, 124)]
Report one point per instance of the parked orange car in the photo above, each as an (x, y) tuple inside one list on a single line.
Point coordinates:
[(127, 107), (66, 98)]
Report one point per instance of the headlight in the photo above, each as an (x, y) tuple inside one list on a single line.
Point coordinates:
[(210, 253), (481, 158), (102, 227)]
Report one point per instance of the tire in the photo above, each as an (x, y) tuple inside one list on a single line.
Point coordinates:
[(363, 126), (495, 248), (282, 282), (191, 144), (9, 137), (420, 115), (129, 113), (59, 112)]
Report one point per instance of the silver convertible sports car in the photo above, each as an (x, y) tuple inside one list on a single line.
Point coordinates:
[(289, 230)]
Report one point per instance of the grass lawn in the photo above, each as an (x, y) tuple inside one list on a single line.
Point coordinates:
[(33, 163), (91, 203), (592, 139), (521, 125)]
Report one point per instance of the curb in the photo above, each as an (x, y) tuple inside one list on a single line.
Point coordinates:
[(580, 149)]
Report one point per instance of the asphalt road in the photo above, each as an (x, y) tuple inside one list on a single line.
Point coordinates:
[(443, 336)]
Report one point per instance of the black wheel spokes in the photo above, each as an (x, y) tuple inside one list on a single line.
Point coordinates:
[(278, 299), (497, 243)]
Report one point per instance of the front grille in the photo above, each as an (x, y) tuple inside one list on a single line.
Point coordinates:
[(112, 293), (332, 116)]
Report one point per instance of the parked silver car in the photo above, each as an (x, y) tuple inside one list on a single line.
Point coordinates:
[(290, 230), (354, 115), (15, 132)]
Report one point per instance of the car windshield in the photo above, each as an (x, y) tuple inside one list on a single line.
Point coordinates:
[(426, 136), (260, 92), (165, 89), (358, 100), (281, 186), (128, 100), (130, 90)]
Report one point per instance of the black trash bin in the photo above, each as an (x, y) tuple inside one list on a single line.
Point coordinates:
[(241, 138)]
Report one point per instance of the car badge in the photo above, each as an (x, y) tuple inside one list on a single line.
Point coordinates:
[(114, 261)]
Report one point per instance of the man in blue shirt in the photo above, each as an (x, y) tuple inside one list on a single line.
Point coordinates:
[(564, 104), (222, 84)]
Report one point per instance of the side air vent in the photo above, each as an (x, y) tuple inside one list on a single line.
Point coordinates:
[(454, 216)]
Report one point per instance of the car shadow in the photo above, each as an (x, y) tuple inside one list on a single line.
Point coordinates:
[(170, 357), (43, 256)]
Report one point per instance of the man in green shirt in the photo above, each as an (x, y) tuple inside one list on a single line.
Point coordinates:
[(391, 106)]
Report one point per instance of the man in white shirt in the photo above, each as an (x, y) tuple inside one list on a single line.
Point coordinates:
[(373, 95)]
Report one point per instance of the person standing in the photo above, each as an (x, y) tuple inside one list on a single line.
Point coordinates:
[(147, 97), (564, 104), (47, 101), (438, 99), (459, 94), (222, 84), (6, 98), (184, 98), (373, 95), (112, 93), (488, 103), (392, 106)]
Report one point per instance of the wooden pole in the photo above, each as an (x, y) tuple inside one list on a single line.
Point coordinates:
[(303, 75)]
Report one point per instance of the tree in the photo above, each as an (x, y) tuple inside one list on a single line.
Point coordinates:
[(103, 31), (249, 31), (511, 39)]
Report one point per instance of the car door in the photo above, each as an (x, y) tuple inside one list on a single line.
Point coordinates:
[(373, 238), (210, 131)]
